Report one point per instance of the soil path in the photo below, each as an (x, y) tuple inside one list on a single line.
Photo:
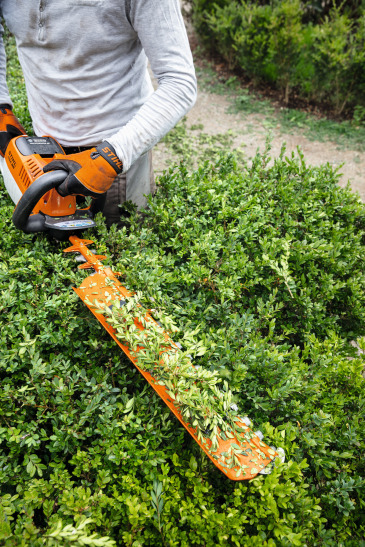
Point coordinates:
[(211, 112)]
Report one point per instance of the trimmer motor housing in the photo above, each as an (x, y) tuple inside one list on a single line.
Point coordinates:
[(40, 207)]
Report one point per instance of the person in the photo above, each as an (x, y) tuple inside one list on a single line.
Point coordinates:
[(85, 69)]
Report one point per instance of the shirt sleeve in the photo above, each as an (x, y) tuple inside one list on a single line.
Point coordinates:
[(4, 92), (161, 31)]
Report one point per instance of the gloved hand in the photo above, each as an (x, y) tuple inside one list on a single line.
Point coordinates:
[(10, 127), (90, 173)]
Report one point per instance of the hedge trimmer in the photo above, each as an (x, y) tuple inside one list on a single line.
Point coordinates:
[(191, 393)]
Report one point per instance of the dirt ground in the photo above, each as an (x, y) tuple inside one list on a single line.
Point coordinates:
[(211, 111)]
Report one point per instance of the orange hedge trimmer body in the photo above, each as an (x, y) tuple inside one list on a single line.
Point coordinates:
[(41, 208)]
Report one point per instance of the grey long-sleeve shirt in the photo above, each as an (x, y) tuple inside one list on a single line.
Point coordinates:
[(85, 69)]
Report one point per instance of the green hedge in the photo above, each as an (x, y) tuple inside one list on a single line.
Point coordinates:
[(266, 265), (278, 43)]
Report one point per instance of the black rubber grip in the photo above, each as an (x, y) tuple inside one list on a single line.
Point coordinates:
[(30, 198)]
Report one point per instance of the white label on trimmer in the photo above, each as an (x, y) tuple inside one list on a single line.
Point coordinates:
[(74, 224), (9, 181)]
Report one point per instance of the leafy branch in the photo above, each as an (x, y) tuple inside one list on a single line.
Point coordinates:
[(282, 267), (76, 536), (157, 504)]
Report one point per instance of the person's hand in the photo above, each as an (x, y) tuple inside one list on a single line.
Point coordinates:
[(10, 127), (90, 173)]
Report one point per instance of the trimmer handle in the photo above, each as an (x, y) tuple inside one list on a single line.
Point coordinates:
[(21, 216)]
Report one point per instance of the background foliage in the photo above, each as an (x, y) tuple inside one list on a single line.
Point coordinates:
[(318, 48)]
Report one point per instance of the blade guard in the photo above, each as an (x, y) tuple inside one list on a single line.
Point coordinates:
[(104, 287)]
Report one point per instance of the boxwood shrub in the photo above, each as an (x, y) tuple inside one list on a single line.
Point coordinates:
[(315, 47), (263, 263)]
